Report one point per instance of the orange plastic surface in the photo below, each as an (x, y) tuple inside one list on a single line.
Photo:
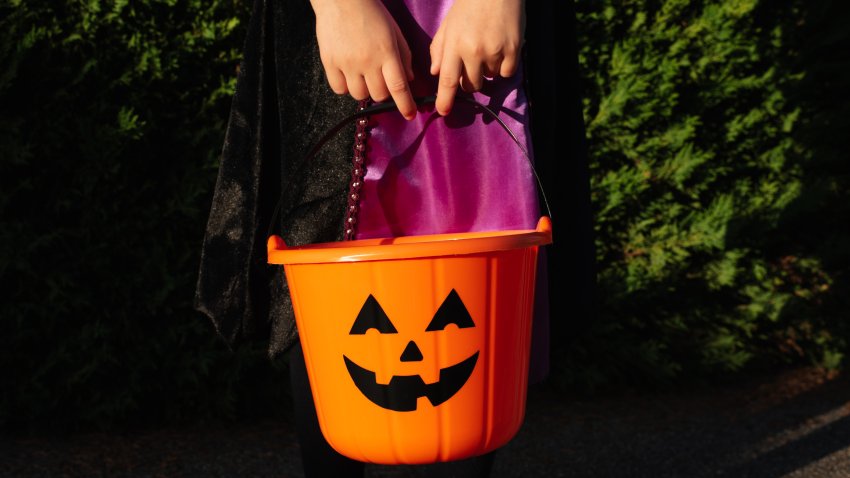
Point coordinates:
[(407, 247), (496, 288)]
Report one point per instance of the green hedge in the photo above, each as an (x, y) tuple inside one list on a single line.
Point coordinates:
[(717, 142), (720, 186), (111, 119)]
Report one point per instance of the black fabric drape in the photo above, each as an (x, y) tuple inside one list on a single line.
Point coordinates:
[(283, 103)]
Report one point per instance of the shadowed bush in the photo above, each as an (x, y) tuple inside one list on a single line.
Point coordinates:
[(111, 120), (719, 185)]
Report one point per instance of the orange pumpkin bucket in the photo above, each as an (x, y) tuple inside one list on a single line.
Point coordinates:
[(417, 347)]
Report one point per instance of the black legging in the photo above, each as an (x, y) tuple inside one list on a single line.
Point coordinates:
[(320, 460)]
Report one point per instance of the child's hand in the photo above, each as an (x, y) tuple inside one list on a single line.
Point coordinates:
[(477, 38), (364, 52)]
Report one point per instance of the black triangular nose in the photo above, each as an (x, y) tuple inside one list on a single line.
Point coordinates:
[(411, 353)]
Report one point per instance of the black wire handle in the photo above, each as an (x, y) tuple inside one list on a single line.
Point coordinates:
[(389, 106)]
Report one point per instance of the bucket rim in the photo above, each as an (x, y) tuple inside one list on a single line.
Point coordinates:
[(409, 247)]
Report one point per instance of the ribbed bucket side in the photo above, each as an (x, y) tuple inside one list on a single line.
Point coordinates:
[(417, 360)]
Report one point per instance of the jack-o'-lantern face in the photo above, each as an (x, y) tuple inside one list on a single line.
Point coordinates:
[(403, 391)]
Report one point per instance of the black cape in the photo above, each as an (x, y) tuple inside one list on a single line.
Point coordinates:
[(283, 104)]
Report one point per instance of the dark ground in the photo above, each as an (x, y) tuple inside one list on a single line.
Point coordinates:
[(791, 424)]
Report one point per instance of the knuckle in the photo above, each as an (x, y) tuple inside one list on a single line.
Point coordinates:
[(355, 62), (448, 82), (473, 50), (397, 85), (382, 49), (493, 50)]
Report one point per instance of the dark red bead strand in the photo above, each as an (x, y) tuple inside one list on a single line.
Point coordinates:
[(358, 170)]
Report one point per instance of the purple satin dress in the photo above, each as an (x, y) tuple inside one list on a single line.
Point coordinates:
[(461, 173)]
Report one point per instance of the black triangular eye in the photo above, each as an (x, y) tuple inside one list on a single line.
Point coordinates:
[(451, 312), (372, 316)]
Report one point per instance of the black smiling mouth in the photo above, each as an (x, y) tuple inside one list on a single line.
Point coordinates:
[(403, 391)]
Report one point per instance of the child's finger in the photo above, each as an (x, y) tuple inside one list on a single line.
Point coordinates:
[(377, 87), (437, 51), (336, 80), (399, 89), (450, 70), (509, 66), (357, 86), (471, 77)]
